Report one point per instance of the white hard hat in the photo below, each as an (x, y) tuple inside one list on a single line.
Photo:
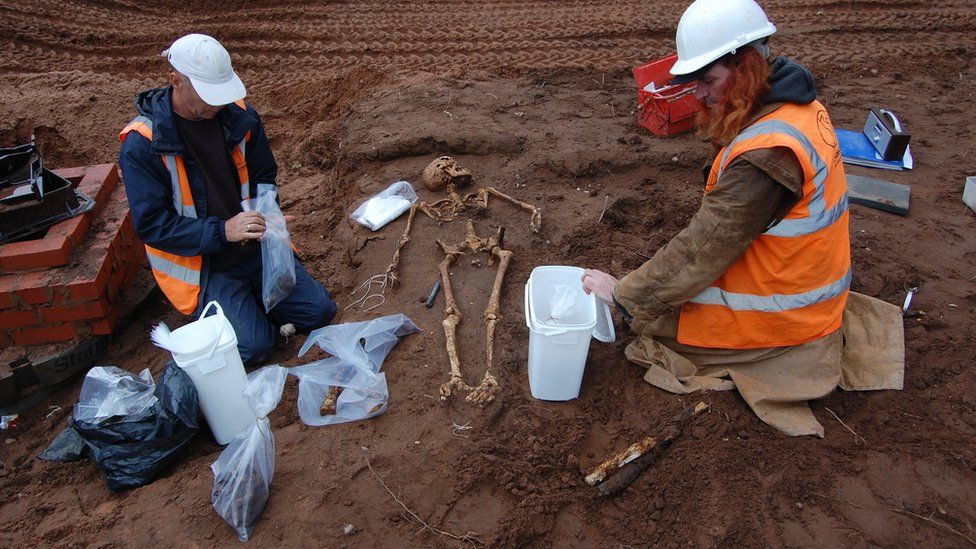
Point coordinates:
[(207, 64), (709, 29)]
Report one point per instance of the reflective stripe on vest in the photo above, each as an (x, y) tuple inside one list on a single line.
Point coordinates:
[(182, 197), (773, 303), (179, 276), (238, 155), (174, 269), (791, 283), (820, 216)]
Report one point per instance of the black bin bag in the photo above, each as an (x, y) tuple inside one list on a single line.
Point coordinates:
[(132, 450)]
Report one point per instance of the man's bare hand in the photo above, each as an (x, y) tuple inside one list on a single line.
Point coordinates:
[(599, 283), (244, 226)]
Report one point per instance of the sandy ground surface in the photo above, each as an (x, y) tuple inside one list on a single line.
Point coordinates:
[(537, 100)]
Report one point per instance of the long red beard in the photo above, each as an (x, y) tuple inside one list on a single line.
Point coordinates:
[(748, 82)]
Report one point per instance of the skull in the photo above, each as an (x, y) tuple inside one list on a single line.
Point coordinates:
[(445, 171)]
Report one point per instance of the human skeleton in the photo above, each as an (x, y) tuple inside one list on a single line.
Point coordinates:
[(445, 174)]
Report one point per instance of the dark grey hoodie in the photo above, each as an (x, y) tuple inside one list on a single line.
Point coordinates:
[(789, 83)]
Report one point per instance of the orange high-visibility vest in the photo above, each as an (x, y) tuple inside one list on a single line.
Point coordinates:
[(178, 275), (791, 284)]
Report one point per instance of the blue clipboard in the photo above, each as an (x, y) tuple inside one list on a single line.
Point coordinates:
[(856, 149)]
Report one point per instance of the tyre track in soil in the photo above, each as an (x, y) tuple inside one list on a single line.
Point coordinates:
[(294, 43), (83, 36)]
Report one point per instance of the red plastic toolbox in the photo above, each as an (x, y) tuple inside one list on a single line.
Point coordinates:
[(669, 110)]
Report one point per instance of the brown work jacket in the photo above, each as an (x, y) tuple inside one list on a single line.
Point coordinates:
[(754, 192)]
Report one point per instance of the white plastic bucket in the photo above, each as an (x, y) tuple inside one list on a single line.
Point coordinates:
[(558, 349), (208, 354)]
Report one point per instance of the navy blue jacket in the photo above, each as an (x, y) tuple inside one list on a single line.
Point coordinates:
[(147, 181)]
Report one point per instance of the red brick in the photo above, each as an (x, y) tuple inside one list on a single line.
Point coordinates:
[(115, 285), (9, 282), (105, 325), (72, 174), (73, 229), (44, 334), (98, 183), (18, 319), (5, 340), (130, 275), (35, 288), (76, 311), (89, 286), (53, 251)]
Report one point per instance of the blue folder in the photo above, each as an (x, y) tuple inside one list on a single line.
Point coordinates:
[(855, 148)]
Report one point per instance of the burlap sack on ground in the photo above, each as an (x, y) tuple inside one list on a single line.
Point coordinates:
[(867, 353)]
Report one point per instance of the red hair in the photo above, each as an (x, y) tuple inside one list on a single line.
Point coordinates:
[(748, 82)]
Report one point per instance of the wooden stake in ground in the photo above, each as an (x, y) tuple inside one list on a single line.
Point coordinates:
[(641, 455)]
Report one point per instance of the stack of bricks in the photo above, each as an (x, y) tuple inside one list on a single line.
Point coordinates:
[(71, 282)]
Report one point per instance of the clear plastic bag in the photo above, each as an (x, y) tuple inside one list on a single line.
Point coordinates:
[(109, 391), (385, 206), (358, 350), (364, 394), (244, 470), (563, 303), (277, 257)]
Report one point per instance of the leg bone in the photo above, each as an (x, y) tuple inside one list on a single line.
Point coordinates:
[(485, 391), (452, 317)]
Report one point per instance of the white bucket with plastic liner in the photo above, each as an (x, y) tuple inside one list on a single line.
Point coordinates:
[(206, 350), (561, 319)]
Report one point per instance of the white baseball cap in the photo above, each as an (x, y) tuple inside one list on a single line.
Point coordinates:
[(207, 64)]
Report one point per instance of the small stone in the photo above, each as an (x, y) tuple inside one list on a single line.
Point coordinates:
[(674, 159), (9, 441), (348, 529), (364, 448), (952, 305), (347, 503), (416, 443), (798, 505)]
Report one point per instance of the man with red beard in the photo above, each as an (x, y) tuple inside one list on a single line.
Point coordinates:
[(755, 288)]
